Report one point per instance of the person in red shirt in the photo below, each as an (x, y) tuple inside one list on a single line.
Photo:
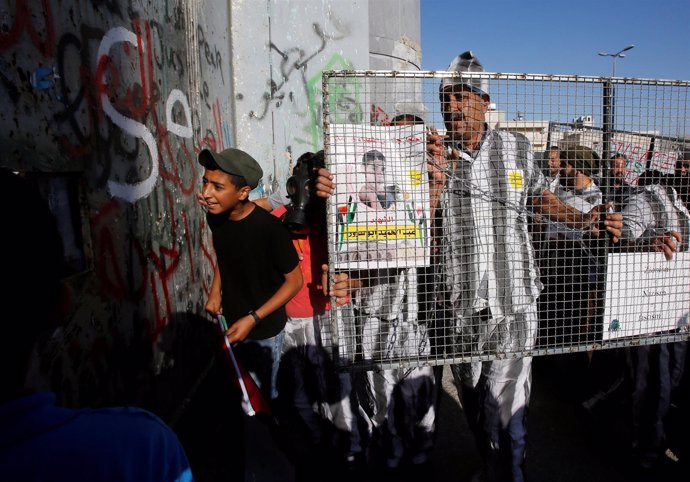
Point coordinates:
[(313, 393)]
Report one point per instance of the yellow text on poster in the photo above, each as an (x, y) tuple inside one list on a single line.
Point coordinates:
[(381, 233)]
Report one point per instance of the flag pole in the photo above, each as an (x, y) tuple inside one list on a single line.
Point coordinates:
[(246, 403)]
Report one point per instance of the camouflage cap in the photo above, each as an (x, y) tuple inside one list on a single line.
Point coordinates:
[(581, 158), (234, 161)]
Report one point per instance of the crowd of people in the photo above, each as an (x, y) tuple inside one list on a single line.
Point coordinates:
[(481, 293), (515, 265), (647, 379)]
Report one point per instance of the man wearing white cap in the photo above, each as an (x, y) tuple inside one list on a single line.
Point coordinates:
[(489, 275)]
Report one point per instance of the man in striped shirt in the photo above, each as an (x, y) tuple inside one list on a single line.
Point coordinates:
[(490, 279)]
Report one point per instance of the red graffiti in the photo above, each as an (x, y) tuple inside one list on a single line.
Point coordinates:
[(208, 142), (632, 151), (188, 238), (169, 257), (108, 263), (378, 116), (207, 253), (218, 122), (161, 319), (167, 157), (22, 22), (126, 266), (166, 264)]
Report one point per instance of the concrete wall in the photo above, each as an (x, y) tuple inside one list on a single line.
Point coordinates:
[(280, 49), (394, 44), (394, 35), (122, 95), (109, 102)]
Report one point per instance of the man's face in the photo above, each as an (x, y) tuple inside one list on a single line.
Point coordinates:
[(406, 120), (374, 170), (568, 173), (464, 113), (220, 193), (685, 168), (619, 170), (554, 162)]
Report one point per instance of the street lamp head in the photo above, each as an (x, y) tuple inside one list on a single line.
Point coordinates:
[(624, 50), (618, 55)]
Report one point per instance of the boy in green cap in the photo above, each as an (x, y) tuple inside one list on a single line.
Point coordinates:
[(257, 269)]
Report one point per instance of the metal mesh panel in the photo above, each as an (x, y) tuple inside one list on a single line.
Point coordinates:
[(470, 245)]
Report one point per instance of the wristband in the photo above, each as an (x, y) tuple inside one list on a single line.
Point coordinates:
[(256, 317)]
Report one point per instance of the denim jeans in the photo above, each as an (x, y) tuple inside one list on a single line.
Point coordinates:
[(261, 359)]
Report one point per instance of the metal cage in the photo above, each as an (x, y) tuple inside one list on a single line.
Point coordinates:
[(487, 249)]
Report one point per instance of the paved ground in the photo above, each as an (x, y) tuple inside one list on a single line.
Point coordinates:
[(562, 445)]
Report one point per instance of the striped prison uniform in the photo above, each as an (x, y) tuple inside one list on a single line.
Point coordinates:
[(491, 283), (401, 402)]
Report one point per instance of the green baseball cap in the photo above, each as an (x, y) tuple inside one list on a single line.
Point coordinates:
[(234, 161), (581, 158)]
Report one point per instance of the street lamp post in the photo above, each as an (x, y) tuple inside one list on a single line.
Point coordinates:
[(617, 55), (609, 103)]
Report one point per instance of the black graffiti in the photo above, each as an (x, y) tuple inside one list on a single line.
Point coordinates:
[(205, 94), (174, 16), (89, 142), (110, 5), (11, 89), (95, 134), (211, 55), (288, 67), (169, 57), (71, 104)]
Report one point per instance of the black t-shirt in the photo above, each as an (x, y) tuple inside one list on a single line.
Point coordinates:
[(253, 256)]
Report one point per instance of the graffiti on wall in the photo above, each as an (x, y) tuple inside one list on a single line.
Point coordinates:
[(124, 96), (290, 105)]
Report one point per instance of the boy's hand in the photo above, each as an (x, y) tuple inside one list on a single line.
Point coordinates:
[(240, 329), (213, 305), (200, 199)]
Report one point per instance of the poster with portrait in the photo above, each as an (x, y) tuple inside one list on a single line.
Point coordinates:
[(646, 294), (380, 210)]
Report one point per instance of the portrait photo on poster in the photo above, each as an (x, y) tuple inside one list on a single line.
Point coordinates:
[(381, 204)]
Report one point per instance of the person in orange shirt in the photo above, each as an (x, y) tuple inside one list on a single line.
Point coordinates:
[(313, 394)]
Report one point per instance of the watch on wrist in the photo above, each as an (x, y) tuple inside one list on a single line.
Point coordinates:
[(256, 317)]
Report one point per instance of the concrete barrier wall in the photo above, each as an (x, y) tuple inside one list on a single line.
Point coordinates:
[(281, 48), (106, 104), (120, 96)]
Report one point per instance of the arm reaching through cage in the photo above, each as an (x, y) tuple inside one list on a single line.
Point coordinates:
[(550, 206), (646, 216)]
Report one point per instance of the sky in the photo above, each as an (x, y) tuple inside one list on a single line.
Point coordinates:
[(560, 37)]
